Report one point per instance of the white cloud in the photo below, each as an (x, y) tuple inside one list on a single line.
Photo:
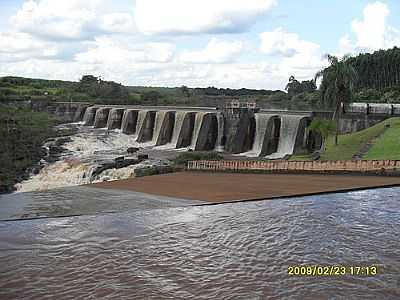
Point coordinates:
[(16, 46), (70, 19), (118, 23), (284, 43), (193, 16), (111, 51), (299, 57), (372, 32), (217, 51)]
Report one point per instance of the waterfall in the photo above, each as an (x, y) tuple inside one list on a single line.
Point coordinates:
[(101, 117), (141, 121), (115, 118), (158, 123), (129, 119), (197, 128), (221, 125), (288, 134), (262, 121), (79, 114), (88, 118), (180, 117)]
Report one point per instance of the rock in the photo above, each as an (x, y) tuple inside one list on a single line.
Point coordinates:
[(132, 150), (143, 156)]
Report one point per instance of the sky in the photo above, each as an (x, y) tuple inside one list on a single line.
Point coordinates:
[(223, 43)]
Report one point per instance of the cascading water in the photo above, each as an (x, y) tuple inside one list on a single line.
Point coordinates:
[(89, 116), (221, 124), (197, 127), (129, 120), (140, 121), (160, 117), (88, 149), (288, 134), (262, 121), (101, 117), (115, 118), (180, 117)]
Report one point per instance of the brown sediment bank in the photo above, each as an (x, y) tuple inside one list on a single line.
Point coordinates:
[(225, 187)]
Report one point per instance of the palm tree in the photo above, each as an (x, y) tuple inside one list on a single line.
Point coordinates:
[(337, 85)]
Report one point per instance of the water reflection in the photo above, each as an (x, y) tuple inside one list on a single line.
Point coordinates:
[(231, 251)]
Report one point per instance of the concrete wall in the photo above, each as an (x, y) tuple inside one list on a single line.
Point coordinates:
[(145, 133)]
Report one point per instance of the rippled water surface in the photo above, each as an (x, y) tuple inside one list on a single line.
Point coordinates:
[(232, 251)]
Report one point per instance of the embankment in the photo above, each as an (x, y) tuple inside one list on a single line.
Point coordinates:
[(22, 133)]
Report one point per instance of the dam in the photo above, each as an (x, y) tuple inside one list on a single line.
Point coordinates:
[(236, 129), (245, 132)]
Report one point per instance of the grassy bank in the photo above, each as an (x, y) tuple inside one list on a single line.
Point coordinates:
[(22, 133), (385, 143)]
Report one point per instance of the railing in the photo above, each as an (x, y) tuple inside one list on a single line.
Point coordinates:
[(317, 166)]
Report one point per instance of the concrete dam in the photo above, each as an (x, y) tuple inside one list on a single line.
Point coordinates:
[(243, 132)]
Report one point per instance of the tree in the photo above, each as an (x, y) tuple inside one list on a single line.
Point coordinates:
[(293, 87), (337, 85), (324, 128), (185, 91)]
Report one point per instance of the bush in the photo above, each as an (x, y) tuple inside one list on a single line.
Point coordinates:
[(183, 158)]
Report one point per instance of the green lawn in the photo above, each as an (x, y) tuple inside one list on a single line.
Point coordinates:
[(388, 145), (350, 144)]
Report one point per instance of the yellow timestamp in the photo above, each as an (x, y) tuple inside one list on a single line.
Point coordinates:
[(315, 270)]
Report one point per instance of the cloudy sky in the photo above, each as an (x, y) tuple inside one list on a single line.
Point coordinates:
[(223, 43)]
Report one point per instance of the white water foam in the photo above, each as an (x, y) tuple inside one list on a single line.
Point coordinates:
[(288, 133), (261, 130)]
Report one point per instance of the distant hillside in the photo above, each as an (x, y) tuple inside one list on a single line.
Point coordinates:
[(96, 90)]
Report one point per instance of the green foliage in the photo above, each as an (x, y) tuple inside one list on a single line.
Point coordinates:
[(22, 133), (151, 97), (323, 127), (337, 82), (183, 158), (294, 87)]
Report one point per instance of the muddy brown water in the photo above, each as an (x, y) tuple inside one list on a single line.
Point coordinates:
[(228, 251)]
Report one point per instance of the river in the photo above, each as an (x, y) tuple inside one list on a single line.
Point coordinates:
[(228, 251)]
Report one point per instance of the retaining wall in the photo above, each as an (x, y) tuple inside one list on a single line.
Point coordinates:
[(307, 166)]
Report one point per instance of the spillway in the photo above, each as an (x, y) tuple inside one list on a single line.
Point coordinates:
[(115, 118), (129, 121), (197, 128), (221, 125), (101, 118), (89, 116), (262, 122), (79, 114), (158, 123), (288, 134)]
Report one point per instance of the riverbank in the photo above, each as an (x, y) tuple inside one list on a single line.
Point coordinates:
[(226, 187), (22, 133)]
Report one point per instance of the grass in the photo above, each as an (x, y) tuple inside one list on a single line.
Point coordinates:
[(388, 145), (350, 144)]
